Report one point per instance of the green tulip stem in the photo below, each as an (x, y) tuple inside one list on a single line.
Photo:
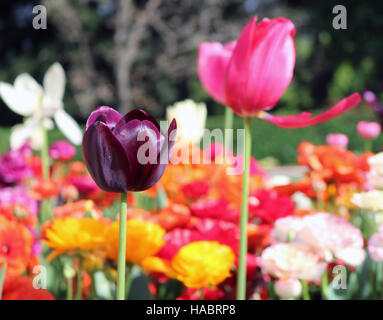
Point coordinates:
[(128, 280), (229, 117), (79, 280), (241, 282), (45, 208), (121, 264)]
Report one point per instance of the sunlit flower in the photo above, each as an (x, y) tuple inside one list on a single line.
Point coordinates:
[(198, 264), (370, 200), (143, 239), (70, 235), (285, 261), (15, 246), (190, 117), (27, 98)]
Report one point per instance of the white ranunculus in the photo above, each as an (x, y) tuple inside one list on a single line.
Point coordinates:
[(39, 105), (370, 200), (191, 120), (376, 162), (288, 289)]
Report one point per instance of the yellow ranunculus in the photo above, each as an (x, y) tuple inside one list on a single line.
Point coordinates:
[(143, 239), (198, 264), (71, 234)]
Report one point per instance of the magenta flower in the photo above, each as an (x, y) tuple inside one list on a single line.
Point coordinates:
[(14, 167), (112, 145), (251, 74), (339, 140), (62, 150), (368, 130)]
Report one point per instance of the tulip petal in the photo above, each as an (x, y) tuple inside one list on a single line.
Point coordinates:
[(138, 114), (105, 158), (24, 82), (19, 135), (304, 119), (163, 158), (54, 82), (261, 67), (68, 126), (104, 114), (213, 59)]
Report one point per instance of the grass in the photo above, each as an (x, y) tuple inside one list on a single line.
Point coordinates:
[(269, 140)]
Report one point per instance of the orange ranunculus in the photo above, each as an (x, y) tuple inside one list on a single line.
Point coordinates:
[(78, 209), (21, 288), (15, 246), (44, 189), (198, 264), (143, 239), (331, 164), (19, 213), (173, 216)]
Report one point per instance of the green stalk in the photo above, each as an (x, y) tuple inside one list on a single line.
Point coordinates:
[(241, 282), (305, 290), (79, 280), (69, 289), (367, 145), (324, 286), (94, 290), (128, 281), (45, 209), (2, 276), (201, 293), (229, 118), (121, 264)]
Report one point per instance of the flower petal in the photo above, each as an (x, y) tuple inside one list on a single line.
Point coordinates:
[(68, 126), (54, 82), (105, 158), (261, 67), (19, 135), (24, 82), (19, 101), (105, 114), (213, 59), (304, 119)]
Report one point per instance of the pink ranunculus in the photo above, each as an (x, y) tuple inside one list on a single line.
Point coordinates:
[(339, 140), (368, 130), (62, 150), (375, 245), (251, 75)]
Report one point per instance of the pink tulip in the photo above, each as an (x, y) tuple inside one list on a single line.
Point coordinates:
[(368, 130), (339, 140), (251, 74)]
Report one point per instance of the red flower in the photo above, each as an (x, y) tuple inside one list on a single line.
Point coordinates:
[(215, 209), (269, 205), (21, 288), (195, 190)]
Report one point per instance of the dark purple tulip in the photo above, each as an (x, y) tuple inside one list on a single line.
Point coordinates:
[(111, 145)]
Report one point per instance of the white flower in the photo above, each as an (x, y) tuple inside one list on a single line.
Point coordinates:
[(376, 162), (288, 260), (278, 180), (39, 105), (191, 119), (289, 288), (285, 229), (370, 200), (302, 201)]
